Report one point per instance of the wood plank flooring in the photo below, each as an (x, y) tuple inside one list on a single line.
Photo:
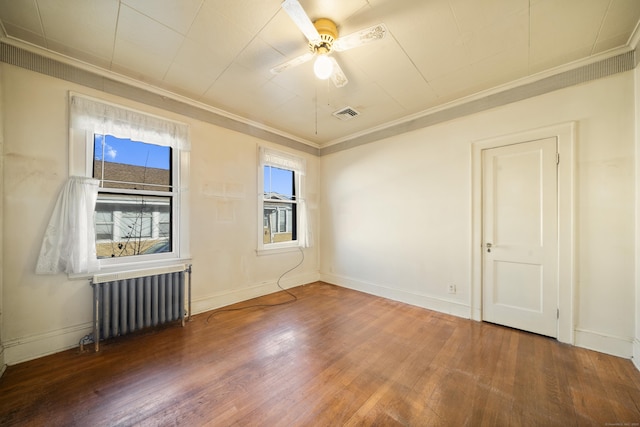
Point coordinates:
[(333, 357)]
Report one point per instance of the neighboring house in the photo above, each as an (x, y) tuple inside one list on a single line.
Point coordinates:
[(132, 227), (278, 219)]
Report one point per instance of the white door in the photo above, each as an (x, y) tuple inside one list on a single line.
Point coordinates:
[(520, 236)]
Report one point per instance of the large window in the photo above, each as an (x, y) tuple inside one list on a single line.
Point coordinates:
[(281, 205), (141, 163)]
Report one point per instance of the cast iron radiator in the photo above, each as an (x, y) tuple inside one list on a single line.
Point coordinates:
[(131, 301)]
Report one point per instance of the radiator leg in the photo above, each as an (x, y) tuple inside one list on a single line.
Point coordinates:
[(181, 297), (96, 317), (189, 271)]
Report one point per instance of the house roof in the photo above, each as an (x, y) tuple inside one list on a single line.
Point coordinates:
[(120, 175)]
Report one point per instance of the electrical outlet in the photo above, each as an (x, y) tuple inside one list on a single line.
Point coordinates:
[(452, 289)]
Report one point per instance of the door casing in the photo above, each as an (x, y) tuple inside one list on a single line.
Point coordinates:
[(565, 134)]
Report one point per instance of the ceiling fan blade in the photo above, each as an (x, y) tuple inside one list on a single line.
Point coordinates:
[(359, 38), (338, 78), (292, 63), (301, 19)]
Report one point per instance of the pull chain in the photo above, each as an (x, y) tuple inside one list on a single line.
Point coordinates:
[(316, 87)]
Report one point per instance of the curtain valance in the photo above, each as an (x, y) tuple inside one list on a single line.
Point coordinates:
[(103, 118), (280, 160)]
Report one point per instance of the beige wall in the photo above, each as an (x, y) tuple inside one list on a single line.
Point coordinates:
[(396, 214), (2, 363), (44, 314), (636, 341)]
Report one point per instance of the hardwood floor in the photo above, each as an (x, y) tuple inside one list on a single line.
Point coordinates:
[(333, 357)]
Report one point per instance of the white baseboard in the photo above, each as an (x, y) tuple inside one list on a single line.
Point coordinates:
[(604, 343), (636, 353), (34, 346), (3, 366), (222, 299), (441, 305)]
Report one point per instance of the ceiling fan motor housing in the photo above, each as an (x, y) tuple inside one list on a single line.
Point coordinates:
[(328, 34)]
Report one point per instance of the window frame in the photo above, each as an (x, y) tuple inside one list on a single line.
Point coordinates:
[(174, 208), (81, 158), (298, 169)]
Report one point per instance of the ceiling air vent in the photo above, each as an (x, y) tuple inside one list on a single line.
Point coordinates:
[(346, 113)]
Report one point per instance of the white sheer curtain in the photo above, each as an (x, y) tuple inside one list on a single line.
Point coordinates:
[(69, 241), (304, 236), (281, 160), (103, 118)]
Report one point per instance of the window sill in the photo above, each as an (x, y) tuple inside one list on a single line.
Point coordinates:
[(278, 250)]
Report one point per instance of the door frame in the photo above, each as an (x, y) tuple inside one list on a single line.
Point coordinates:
[(566, 135)]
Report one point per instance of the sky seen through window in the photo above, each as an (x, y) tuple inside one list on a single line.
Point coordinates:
[(128, 152)]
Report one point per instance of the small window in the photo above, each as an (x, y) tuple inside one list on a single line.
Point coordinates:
[(135, 199), (281, 204)]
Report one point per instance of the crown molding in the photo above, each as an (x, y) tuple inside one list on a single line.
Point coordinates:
[(44, 61), (571, 74), (483, 94), (634, 40)]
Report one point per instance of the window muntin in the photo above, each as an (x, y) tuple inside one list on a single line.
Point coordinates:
[(135, 200)]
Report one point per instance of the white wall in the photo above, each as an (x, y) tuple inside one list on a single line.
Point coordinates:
[(45, 314), (636, 341), (2, 363), (396, 214)]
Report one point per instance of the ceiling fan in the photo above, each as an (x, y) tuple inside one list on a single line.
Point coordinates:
[(323, 39)]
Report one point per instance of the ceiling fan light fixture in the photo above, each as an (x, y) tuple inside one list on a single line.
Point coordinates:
[(323, 38), (323, 67)]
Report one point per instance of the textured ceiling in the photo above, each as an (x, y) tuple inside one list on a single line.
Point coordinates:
[(220, 52)]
